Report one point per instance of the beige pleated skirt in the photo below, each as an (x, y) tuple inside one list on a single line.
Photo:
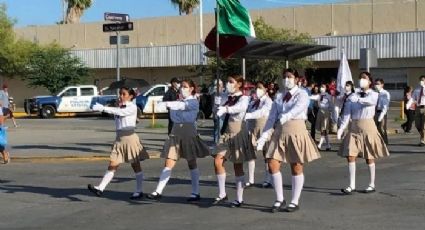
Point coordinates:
[(363, 140), (127, 148), (235, 144), (292, 143), (184, 142), (322, 122), (256, 129)]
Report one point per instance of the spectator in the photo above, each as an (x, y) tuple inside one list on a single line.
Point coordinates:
[(409, 110), (172, 94), (313, 109), (7, 104), (219, 100), (4, 153)]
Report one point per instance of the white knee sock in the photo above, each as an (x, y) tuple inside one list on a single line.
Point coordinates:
[(106, 180), (328, 144), (278, 186), (163, 180), (297, 187), (251, 171), (322, 139), (372, 174), (267, 175), (194, 175), (352, 172), (139, 182), (221, 179), (239, 187)]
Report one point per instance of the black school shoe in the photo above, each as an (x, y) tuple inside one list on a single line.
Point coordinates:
[(154, 196), (219, 200), (194, 198), (236, 204), (292, 208), (136, 196), (94, 190), (277, 208), (348, 191)]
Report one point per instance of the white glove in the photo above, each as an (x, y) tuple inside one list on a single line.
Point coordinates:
[(261, 142), (248, 116), (284, 118), (339, 134), (221, 111), (161, 104), (381, 117), (98, 107), (217, 100)]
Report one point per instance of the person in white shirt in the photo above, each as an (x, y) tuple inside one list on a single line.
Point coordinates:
[(183, 141), (363, 139), (324, 101), (219, 100), (234, 145), (419, 99), (127, 147), (409, 110), (258, 111), (382, 108), (290, 142)]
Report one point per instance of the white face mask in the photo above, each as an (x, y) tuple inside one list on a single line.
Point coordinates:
[(363, 83), (347, 89), (322, 90), (289, 83), (260, 93), (178, 85), (378, 87), (231, 88), (185, 92), (422, 83)]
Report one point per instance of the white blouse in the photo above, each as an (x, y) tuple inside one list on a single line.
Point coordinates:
[(358, 108), (263, 109), (237, 112), (125, 116), (296, 107), (416, 94), (383, 101), (184, 111)]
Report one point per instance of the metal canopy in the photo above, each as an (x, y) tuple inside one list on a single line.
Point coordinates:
[(259, 49)]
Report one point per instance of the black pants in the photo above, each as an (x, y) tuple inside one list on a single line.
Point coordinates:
[(410, 115), (170, 124), (382, 126), (312, 117)]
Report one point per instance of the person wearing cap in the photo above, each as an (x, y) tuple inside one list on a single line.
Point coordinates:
[(172, 94)]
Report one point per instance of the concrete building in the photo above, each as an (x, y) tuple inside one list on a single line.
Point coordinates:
[(163, 47)]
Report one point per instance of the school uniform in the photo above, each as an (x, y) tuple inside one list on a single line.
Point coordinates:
[(381, 111), (127, 147), (184, 141), (419, 97), (363, 139), (234, 143), (291, 142), (324, 114)]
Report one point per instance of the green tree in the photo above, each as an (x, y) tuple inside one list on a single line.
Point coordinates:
[(185, 6), (76, 9), (264, 69), (54, 68)]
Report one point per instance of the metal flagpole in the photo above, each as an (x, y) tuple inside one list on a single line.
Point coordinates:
[(217, 48)]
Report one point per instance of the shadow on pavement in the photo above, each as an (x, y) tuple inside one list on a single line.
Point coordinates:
[(49, 147)]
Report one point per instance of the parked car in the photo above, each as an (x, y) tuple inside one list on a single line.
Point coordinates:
[(148, 97), (75, 99)]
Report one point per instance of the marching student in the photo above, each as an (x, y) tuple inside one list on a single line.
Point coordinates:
[(234, 145), (127, 147), (258, 111), (363, 139), (183, 141), (290, 142), (419, 99), (324, 116), (382, 108)]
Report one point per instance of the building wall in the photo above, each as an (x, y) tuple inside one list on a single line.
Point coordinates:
[(331, 19)]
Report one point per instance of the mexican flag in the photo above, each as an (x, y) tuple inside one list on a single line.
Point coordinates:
[(234, 26)]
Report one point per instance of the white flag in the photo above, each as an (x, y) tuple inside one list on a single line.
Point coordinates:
[(344, 73)]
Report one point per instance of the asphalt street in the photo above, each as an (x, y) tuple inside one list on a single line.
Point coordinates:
[(41, 192)]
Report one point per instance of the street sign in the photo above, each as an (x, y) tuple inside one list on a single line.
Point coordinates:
[(112, 27), (116, 17), (124, 40)]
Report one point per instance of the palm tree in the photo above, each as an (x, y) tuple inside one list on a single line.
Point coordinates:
[(76, 9), (185, 6)]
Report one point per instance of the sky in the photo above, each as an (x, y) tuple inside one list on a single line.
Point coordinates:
[(47, 12)]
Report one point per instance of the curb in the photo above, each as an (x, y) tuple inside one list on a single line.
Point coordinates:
[(25, 115)]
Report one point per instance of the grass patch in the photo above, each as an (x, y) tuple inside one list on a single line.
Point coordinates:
[(156, 126), (399, 120)]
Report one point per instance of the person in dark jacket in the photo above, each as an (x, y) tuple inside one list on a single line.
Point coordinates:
[(172, 94)]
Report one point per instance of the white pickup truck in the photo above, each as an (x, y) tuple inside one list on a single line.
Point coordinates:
[(75, 99)]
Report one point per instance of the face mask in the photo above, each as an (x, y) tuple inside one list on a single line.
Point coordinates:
[(230, 88), (289, 83), (347, 89), (178, 85), (322, 90), (260, 93), (422, 83), (185, 92), (378, 87), (363, 83)]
